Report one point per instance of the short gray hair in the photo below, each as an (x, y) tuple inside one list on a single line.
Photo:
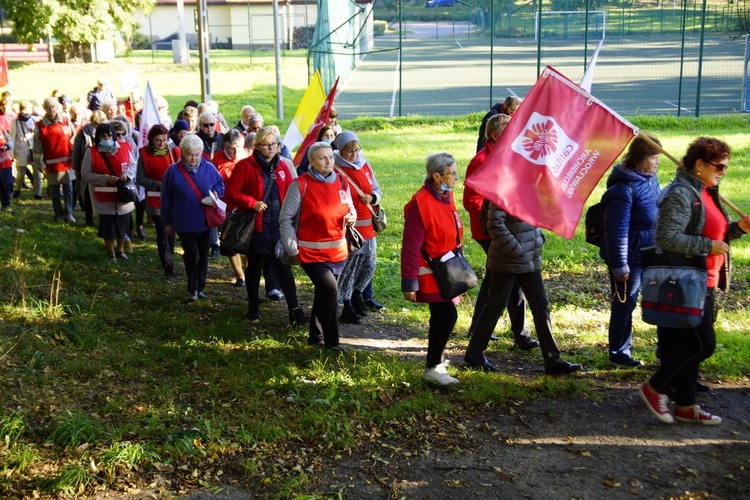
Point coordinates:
[(315, 147), (206, 117), (438, 162), (191, 143)]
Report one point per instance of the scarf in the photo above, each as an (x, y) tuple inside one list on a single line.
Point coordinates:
[(190, 170), (264, 164)]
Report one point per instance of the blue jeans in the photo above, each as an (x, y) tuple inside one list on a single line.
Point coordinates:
[(621, 312), (62, 198)]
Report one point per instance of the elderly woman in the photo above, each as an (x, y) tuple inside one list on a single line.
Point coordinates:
[(225, 161), (22, 136), (515, 256), (691, 221), (178, 131), (109, 108), (124, 133), (360, 266), (325, 134), (316, 209), (245, 113), (432, 225), (260, 182), (81, 144), (182, 211), (105, 163), (473, 204), (153, 162), (212, 144), (629, 215)]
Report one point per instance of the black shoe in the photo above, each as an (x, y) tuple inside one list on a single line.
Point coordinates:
[(702, 388), (239, 282), (275, 295), (359, 306), (524, 341), (169, 272), (560, 367), (373, 306), (338, 349), (480, 365), (348, 316), (316, 342), (297, 317), (625, 360), (141, 234), (253, 315), (38, 197), (16, 194), (214, 253)]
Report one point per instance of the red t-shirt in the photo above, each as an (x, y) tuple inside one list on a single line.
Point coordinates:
[(716, 228)]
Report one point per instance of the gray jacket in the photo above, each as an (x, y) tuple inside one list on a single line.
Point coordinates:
[(516, 246), (682, 218)]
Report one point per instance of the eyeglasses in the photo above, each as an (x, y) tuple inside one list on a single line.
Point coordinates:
[(209, 125), (352, 151), (266, 145), (120, 134), (719, 168), (450, 174)]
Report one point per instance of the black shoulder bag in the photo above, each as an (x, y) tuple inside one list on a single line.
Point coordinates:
[(127, 192), (452, 272), (237, 231)]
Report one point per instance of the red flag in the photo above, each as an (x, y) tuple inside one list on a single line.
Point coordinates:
[(320, 120), (552, 154), (3, 71)]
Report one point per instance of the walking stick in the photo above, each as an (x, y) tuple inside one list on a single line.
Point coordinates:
[(677, 162)]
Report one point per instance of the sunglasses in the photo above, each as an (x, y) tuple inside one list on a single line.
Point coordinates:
[(721, 167), (209, 124)]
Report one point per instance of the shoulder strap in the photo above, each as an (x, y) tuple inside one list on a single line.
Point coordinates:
[(191, 182), (106, 161), (356, 187)]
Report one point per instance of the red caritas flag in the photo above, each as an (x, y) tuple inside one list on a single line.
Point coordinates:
[(3, 71), (552, 154), (320, 120)]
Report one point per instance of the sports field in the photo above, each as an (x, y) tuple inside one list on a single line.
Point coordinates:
[(441, 75)]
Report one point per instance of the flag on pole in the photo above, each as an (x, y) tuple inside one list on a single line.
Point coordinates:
[(320, 120), (307, 110), (3, 71), (552, 154), (149, 116), (588, 76)]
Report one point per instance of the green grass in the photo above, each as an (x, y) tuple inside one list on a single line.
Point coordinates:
[(110, 364)]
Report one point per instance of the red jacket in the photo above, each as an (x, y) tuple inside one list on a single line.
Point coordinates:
[(244, 188), (473, 200), (55, 139)]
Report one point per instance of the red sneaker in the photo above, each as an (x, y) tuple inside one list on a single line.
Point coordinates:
[(656, 403), (695, 415)]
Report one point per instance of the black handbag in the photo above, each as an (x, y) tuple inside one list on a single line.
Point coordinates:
[(354, 238), (673, 288), (237, 231), (127, 191), (452, 271)]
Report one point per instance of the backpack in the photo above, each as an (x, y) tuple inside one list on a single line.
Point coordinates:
[(594, 221)]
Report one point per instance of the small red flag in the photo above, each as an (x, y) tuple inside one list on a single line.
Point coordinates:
[(552, 154), (3, 71), (320, 120)]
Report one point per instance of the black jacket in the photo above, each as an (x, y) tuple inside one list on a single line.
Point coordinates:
[(516, 246)]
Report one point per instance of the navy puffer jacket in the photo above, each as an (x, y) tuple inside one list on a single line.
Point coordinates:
[(516, 246), (629, 216)]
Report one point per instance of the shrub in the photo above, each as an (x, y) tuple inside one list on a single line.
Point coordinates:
[(379, 27)]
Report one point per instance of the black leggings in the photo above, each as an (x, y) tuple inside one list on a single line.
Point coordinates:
[(324, 321), (443, 317), (256, 263)]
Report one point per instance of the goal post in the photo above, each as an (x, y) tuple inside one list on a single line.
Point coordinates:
[(570, 24)]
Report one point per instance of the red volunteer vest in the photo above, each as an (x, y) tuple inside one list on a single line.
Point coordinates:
[(320, 237), (118, 161), (55, 139), (154, 168), (363, 178), (5, 159), (439, 222)]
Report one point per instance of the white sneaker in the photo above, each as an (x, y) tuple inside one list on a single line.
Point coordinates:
[(438, 375), (69, 219), (446, 362)]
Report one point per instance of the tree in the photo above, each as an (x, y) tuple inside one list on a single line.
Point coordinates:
[(74, 22)]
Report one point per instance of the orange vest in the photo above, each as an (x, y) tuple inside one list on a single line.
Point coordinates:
[(118, 161), (154, 167), (363, 179), (5, 159), (55, 139), (320, 236), (439, 222)]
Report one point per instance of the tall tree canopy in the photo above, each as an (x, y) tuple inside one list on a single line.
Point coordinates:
[(74, 22)]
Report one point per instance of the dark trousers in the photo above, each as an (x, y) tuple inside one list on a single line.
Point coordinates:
[(324, 321), (88, 208), (62, 198), (682, 351), (164, 243), (516, 301), (6, 186), (501, 285), (257, 263), (443, 317), (621, 312), (271, 276), (140, 208), (195, 247)]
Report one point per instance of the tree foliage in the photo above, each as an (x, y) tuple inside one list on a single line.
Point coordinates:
[(74, 22)]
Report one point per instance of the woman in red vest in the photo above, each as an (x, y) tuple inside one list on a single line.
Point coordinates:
[(154, 160), (260, 182), (431, 222), (360, 266), (316, 209), (106, 162)]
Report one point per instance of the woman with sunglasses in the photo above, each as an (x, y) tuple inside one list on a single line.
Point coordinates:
[(691, 221)]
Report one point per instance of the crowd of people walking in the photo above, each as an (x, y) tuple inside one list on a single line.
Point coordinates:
[(87, 154)]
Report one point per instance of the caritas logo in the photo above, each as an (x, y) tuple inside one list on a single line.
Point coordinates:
[(544, 142)]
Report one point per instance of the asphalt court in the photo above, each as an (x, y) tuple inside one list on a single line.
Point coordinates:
[(444, 75)]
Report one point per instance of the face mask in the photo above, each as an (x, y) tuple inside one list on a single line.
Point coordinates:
[(444, 187), (328, 141), (107, 143)]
